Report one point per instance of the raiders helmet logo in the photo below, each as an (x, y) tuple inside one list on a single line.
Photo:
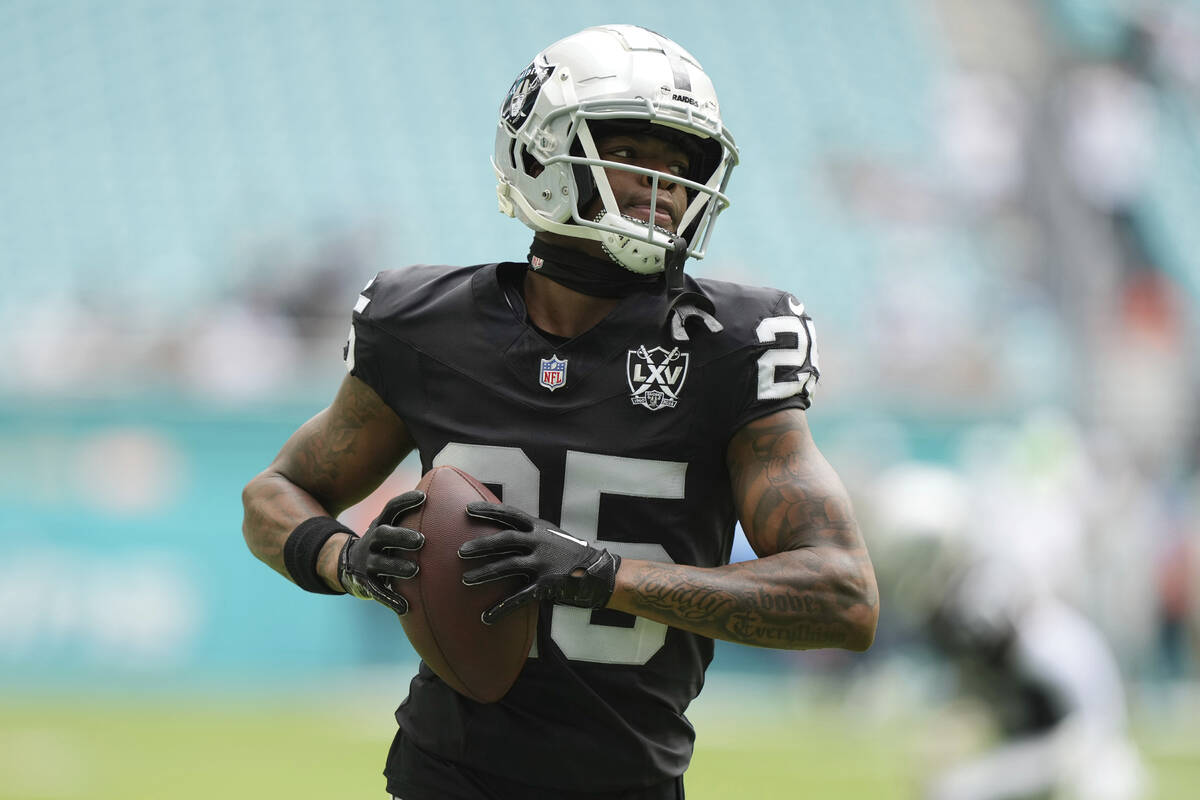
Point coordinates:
[(655, 376), (523, 94)]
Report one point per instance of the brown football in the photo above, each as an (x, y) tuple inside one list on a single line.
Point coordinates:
[(443, 622)]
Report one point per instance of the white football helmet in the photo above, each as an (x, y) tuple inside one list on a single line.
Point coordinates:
[(920, 521), (615, 74)]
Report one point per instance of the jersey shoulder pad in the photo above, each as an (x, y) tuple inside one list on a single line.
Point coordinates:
[(769, 333), (757, 317), (741, 308), (407, 307), (396, 296)]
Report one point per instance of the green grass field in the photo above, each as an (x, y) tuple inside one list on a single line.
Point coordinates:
[(238, 746)]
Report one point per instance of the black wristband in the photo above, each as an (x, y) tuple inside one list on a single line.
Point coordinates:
[(303, 547)]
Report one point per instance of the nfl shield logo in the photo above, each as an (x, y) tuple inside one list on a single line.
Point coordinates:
[(553, 372)]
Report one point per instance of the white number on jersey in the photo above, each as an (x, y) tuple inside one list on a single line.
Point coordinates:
[(588, 477), (769, 388)]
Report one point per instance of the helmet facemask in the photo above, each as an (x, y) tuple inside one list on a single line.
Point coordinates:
[(641, 245)]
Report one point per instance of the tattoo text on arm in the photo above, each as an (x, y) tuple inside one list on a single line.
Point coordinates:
[(814, 585)]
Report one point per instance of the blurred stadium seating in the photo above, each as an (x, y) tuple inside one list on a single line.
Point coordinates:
[(988, 208)]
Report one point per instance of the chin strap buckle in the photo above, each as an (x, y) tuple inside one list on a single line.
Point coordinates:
[(682, 305), (683, 312)]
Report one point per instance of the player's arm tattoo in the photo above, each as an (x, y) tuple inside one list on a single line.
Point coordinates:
[(331, 462), (813, 585), (346, 450)]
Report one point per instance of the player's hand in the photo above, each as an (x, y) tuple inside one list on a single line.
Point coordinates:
[(368, 562), (559, 567)]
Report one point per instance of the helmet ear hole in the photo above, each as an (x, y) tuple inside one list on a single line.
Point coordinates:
[(532, 167)]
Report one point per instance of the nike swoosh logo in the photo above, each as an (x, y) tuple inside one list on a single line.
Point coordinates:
[(797, 308), (579, 542)]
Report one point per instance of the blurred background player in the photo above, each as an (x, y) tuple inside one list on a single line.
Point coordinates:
[(1042, 670)]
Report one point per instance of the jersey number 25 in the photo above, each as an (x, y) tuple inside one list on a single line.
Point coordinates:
[(586, 478)]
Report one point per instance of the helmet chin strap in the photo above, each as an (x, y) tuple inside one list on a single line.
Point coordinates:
[(673, 269), (685, 306)]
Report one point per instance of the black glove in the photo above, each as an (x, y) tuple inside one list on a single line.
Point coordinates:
[(559, 567), (368, 562)]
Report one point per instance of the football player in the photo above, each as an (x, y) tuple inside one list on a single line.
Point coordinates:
[(605, 395), (1041, 669)]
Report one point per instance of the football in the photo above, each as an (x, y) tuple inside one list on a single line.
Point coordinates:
[(443, 623)]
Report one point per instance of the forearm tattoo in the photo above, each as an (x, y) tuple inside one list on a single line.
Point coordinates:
[(329, 464), (815, 589), (761, 602), (323, 455)]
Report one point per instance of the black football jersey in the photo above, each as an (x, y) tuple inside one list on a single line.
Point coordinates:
[(619, 435)]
